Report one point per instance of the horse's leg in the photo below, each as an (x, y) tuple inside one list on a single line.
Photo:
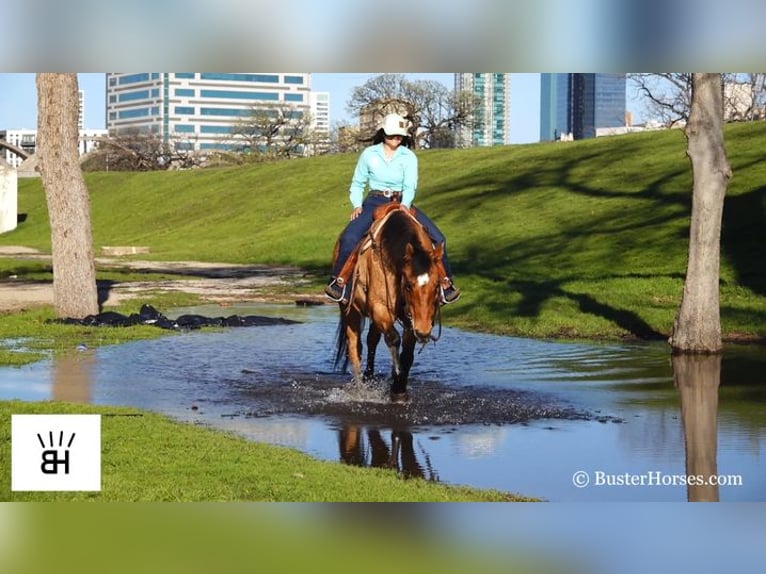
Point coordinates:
[(373, 338), (353, 336), (399, 386)]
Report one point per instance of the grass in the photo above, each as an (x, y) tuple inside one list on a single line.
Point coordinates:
[(147, 457), (581, 239)]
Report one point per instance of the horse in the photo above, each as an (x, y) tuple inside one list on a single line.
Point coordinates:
[(396, 279)]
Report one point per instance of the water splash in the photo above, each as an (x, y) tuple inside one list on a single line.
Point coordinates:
[(367, 391)]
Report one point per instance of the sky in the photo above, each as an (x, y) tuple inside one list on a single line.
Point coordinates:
[(18, 99)]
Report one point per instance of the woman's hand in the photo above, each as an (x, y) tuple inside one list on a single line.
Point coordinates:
[(354, 214)]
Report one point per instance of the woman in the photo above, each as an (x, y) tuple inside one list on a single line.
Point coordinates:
[(391, 170)]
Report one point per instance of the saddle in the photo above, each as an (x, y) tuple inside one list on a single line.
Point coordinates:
[(379, 217)]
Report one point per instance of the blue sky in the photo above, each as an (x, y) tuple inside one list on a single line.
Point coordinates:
[(18, 99)]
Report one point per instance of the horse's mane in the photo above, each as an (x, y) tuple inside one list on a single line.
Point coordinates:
[(399, 231)]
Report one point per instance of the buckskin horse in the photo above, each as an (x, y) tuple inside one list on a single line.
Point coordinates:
[(395, 280)]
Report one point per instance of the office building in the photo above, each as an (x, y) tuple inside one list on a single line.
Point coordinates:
[(320, 121), (490, 122), (577, 106), (196, 110)]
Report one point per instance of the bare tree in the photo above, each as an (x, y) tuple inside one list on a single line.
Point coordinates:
[(133, 150), (276, 131), (345, 138), (74, 274), (697, 327), (668, 96), (436, 113), (441, 113), (381, 95)]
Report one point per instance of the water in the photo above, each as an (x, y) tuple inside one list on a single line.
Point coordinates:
[(527, 416)]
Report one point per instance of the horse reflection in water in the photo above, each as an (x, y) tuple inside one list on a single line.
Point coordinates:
[(396, 280), (361, 446)]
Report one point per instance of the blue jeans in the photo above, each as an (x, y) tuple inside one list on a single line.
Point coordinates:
[(356, 229)]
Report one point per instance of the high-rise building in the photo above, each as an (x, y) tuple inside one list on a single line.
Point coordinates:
[(576, 106), (491, 124), (320, 120), (195, 110)]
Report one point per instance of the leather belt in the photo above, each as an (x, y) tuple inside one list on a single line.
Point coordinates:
[(388, 193)]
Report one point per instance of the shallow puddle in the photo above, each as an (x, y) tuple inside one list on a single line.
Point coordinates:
[(527, 416)]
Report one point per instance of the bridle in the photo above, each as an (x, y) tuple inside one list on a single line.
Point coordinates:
[(406, 314)]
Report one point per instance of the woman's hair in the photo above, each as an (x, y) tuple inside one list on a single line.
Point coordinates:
[(380, 135)]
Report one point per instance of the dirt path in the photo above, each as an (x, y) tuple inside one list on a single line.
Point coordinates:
[(222, 283)]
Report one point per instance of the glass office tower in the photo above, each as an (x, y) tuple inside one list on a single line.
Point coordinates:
[(491, 116), (577, 105)]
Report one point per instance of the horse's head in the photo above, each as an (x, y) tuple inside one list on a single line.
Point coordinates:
[(420, 289)]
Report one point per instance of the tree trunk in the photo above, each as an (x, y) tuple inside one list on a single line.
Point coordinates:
[(697, 378), (74, 274), (697, 327)]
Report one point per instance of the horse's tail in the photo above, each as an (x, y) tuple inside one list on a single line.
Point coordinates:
[(341, 347)]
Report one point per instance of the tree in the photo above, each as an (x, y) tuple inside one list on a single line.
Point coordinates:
[(381, 95), (436, 113), (74, 274), (275, 131), (697, 327), (441, 113), (345, 138), (668, 96), (133, 150)]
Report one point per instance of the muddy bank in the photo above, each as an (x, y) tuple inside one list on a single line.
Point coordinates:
[(223, 283)]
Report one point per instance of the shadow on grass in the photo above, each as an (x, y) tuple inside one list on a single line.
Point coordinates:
[(743, 238), (635, 218)]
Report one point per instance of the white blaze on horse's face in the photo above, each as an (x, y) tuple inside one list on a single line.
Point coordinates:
[(423, 279)]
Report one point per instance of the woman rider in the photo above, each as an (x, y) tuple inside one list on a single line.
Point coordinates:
[(391, 170)]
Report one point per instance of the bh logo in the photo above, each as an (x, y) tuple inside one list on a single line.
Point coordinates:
[(55, 452), (51, 460)]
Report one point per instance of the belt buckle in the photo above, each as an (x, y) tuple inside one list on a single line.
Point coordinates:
[(388, 193)]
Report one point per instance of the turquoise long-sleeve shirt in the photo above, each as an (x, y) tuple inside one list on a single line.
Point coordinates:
[(400, 173)]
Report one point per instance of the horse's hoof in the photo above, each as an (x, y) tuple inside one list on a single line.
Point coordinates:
[(400, 398)]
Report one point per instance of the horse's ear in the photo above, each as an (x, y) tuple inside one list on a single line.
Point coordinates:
[(438, 252)]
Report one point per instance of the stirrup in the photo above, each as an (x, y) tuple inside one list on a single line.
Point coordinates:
[(450, 294), (334, 288)]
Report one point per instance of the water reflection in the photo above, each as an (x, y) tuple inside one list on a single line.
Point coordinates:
[(365, 446), (697, 378), (73, 378)]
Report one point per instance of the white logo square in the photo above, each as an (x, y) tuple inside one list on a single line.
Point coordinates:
[(55, 452)]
